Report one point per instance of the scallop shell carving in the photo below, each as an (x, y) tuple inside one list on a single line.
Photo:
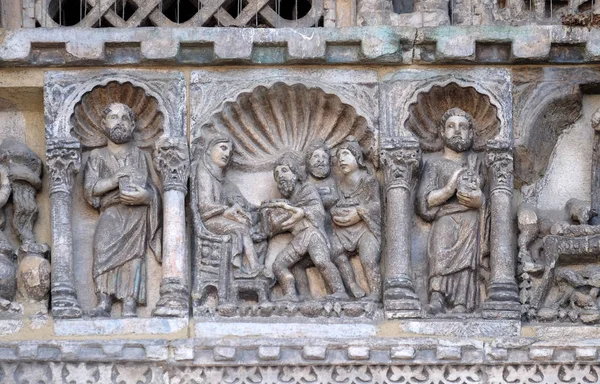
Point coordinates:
[(87, 115), (267, 122), (425, 115)]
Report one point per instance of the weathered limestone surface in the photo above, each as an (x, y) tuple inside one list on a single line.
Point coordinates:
[(299, 250)]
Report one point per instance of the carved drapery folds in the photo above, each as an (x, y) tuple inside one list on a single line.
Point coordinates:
[(120, 119), (63, 158), (400, 163)]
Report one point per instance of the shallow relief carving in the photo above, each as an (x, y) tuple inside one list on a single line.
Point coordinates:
[(128, 197), (456, 259), (285, 203)]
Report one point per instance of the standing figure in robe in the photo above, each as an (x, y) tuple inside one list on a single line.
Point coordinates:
[(357, 221), (117, 181), (450, 196), (222, 207)]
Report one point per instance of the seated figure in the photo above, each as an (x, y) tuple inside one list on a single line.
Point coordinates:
[(222, 208)]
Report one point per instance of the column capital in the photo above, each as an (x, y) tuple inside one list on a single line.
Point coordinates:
[(400, 159), (499, 159), (63, 159), (172, 161)]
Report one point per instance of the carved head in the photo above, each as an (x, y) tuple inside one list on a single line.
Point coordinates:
[(318, 159), (350, 156), (118, 122), (221, 151), (457, 130), (288, 172)]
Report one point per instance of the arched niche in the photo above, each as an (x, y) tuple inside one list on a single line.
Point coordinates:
[(268, 121), (429, 105)]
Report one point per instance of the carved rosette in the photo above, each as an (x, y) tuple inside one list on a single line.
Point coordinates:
[(171, 159), (63, 158), (499, 160), (400, 162)]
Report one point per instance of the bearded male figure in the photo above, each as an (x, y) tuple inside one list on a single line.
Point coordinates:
[(306, 224), (117, 181), (450, 196)]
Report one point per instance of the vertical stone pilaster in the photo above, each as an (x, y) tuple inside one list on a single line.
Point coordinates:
[(400, 163), (502, 291), (171, 159), (63, 158)]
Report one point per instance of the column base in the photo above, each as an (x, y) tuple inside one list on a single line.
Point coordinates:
[(174, 299), (502, 302), (64, 302), (400, 300)]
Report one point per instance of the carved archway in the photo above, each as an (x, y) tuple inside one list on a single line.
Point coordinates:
[(87, 114), (266, 122), (427, 110)]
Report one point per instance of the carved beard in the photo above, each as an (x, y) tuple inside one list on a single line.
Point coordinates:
[(286, 187), (320, 171), (120, 134), (458, 144)]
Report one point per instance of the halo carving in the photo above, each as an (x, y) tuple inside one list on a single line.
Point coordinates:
[(87, 114), (266, 122), (425, 114)]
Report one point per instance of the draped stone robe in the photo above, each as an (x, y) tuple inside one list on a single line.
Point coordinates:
[(455, 239), (124, 233)]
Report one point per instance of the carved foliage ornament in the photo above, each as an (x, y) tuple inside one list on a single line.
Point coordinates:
[(171, 159), (500, 160), (63, 158), (401, 163)]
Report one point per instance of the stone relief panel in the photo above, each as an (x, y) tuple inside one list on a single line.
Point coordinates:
[(285, 199), (558, 230), (125, 131), (456, 260)]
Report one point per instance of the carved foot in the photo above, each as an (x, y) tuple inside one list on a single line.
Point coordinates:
[(289, 297), (357, 291), (337, 296), (99, 312), (436, 304), (373, 297), (103, 307)]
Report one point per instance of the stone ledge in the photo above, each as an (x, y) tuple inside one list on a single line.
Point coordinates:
[(42, 47)]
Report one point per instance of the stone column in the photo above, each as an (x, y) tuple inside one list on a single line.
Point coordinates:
[(400, 163), (502, 291), (63, 157), (171, 159)]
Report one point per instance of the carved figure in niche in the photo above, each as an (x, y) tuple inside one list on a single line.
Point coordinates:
[(450, 196), (223, 209), (301, 213), (357, 220), (117, 181)]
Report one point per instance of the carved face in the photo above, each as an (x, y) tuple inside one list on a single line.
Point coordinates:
[(118, 124), (286, 180), (458, 134), (220, 154), (346, 161), (319, 164)]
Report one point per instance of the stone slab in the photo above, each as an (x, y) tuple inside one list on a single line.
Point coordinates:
[(8, 327), (564, 332), (119, 327), (281, 329), (462, 328)]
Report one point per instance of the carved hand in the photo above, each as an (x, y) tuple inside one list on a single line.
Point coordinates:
[(126, 171), (470, 199), (134, 195), (345, 217), (453, 181), (237, 213)]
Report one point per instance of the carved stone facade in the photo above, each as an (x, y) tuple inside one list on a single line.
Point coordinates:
[(320, 205)]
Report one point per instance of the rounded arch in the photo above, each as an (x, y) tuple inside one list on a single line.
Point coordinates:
[(428, 105), (268, 121), (87, 114)]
